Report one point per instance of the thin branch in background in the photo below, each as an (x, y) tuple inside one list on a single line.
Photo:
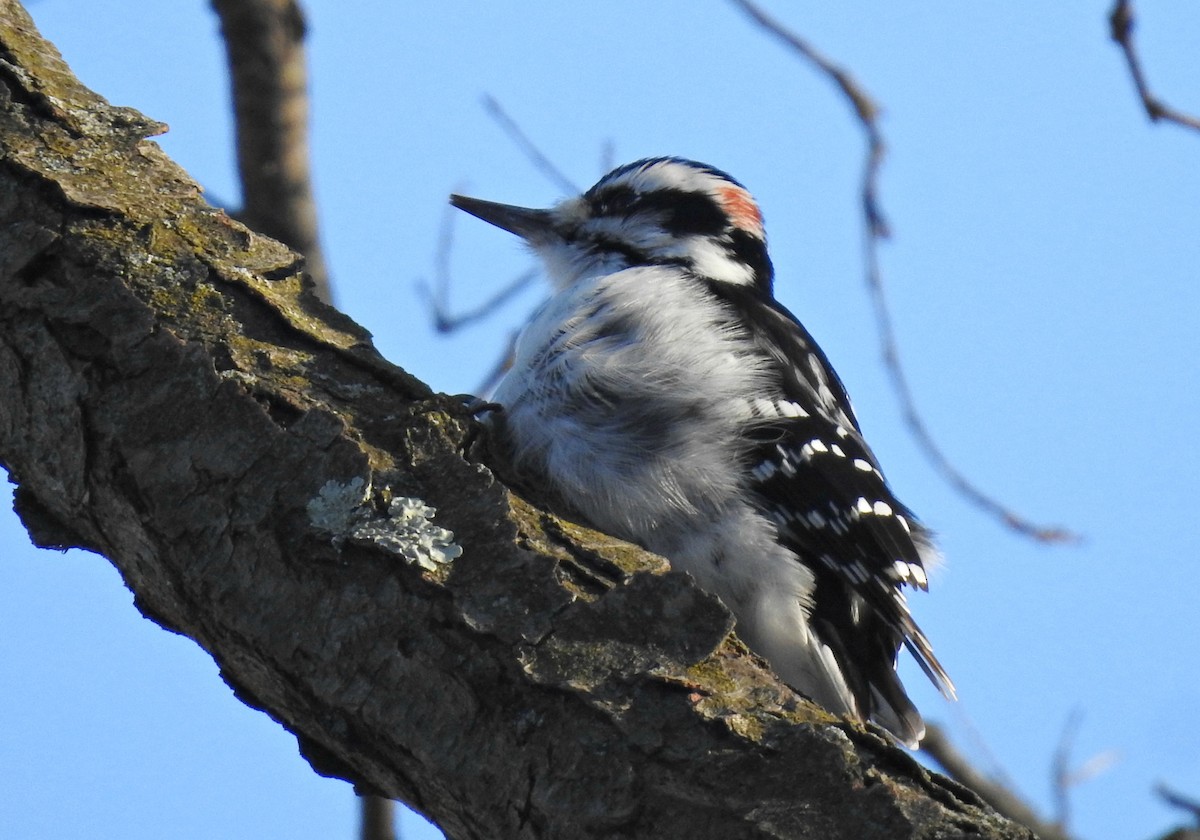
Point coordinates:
[(438, 297), (539, 160), (985, 757), (446, 322), (864, 106), (877, 229), (920, 431), (1121, 22), (377, 818), (608, 156), (264, 43), (493, 377), (1178, 800), (1007, 803), (1065, 776), (1061, 770)]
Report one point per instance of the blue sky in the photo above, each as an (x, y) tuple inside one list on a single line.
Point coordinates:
[(1043, 275)]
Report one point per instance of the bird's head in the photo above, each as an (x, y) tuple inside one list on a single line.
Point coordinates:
[(658, 211)]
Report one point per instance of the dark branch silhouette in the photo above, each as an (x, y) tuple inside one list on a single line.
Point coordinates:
[(1122, 22), (1187, 804), (264, 42)]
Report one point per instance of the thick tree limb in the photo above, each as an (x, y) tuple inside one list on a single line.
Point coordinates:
[(172, 397)]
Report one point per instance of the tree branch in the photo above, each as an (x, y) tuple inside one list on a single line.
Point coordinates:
[(173, 398), (535, 155), (867, 112), (1121, 23), (993, 792), (264, 42)]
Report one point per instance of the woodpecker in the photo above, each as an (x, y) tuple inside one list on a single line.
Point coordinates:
[(665, 397)]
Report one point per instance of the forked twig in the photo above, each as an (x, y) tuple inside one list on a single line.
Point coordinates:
[(438, 297), (877, 229), (1066, 775), (1121, 22)]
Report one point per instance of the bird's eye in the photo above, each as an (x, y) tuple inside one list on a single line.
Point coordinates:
[(613, 202)]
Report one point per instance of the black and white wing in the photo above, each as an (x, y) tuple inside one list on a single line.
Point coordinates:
[(817, 479)]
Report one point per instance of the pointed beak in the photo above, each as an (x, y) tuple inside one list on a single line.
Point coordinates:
[(523, 221)]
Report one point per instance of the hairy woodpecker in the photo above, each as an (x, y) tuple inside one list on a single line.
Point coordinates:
[(663, 395)]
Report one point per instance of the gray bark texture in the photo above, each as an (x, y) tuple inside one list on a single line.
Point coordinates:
[(172, 397)]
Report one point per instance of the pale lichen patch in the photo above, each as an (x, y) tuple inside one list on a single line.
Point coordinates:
[(408, 530), (344, 509), (339, 506)]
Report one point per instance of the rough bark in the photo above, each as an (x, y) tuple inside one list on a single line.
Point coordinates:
[(172, 397)]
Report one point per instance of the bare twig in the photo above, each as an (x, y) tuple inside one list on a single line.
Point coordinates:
[(264, 41), (438, 297), (608, 156), (1061, 770), (445, 321), (438, 300), (867, 112), (1121, 23), (920, 431), (959, 768), (503, 363), (1178, 800), (1066, 776), (543, 164), (864, 106)]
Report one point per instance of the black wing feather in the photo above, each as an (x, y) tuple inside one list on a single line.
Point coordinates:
[(818, 479)]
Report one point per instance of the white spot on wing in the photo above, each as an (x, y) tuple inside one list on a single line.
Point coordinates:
[(918, 575), (765, 470)]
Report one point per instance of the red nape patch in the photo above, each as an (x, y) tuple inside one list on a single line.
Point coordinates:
[(742, 209)]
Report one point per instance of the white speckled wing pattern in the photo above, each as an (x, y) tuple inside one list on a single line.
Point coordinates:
[(818, 480)]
